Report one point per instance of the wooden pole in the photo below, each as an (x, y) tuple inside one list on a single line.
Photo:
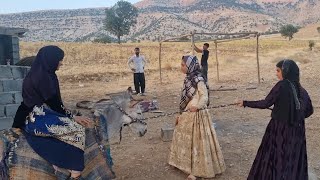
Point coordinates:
[(217, 61), (160, 48), (243, 33), (192, 41), (178, 37), (258, 63)]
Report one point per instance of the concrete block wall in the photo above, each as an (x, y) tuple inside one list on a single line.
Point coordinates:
[(11, 79)]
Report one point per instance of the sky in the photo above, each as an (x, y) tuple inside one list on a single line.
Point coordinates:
[(15, 6)]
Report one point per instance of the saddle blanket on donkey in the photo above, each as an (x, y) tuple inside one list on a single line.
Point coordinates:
[(18, 161)]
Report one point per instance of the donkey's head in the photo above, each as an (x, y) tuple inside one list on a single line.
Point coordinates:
[(118, 113)]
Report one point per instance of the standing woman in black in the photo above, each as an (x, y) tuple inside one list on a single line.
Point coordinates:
[(282, 154)]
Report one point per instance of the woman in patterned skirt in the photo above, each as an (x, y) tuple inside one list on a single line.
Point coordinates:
[(51, 130), (282, 154), (195, 148)]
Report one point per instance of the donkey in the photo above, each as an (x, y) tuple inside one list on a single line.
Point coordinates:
[(19, 162)]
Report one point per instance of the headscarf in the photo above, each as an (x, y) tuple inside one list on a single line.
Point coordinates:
[(41, 83), (193, 77), (289, 103)]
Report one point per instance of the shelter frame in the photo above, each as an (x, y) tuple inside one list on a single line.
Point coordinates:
[(192, 34)]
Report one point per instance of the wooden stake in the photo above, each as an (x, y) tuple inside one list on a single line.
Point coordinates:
[(258, 63), (217, 61), (192, 42), (160, 48)]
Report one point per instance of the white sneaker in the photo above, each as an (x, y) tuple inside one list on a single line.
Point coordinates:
[(143, 94)]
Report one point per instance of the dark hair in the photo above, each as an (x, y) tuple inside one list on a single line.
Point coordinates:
[(136, 48), (279, 64), (296, 84), (206, 44)]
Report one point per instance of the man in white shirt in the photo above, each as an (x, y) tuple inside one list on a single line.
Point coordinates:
[(137, 63)]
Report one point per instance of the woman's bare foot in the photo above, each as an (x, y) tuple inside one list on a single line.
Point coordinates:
[(75, 174), (191, 177)]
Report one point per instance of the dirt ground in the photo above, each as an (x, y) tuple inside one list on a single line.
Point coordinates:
[(239, 130)]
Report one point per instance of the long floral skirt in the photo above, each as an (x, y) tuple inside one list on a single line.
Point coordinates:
[(195, 148), (56, 138)]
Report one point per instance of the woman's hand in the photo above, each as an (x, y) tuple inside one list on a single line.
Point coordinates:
[(193, 109), (240, 103), (82, 121)]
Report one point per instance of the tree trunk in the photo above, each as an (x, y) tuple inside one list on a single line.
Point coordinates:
[(119, 40)]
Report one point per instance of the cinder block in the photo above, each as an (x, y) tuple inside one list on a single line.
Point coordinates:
[(18, 72), (18, 97), (167, 133), (2, 111), (15, 41), (12, 85), (1, 87), (5, 72), (6, 123), (11, 109), (6, 98)]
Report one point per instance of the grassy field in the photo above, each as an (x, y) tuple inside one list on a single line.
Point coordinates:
[(92, 70), (88, 61)]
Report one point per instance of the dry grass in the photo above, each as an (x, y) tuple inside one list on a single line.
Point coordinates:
[(105, 62), (102, 69)]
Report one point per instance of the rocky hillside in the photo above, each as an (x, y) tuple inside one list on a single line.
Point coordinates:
[(167, 18)]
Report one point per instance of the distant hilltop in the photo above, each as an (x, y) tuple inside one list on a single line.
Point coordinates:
[(168, 18)]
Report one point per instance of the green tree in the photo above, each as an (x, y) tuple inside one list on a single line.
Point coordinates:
[(120, 18), (105, 40), (288, 31)]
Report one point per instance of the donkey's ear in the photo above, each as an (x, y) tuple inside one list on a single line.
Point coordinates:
[(129, 90)]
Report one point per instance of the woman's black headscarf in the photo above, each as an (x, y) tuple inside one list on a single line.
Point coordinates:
[(290, 93), (42, 83)]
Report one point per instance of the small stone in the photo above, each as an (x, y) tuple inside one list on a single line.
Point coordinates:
[(231, 165)]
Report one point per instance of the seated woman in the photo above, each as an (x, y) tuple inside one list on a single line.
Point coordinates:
[(283, 153), (195, 148), (53, 132)]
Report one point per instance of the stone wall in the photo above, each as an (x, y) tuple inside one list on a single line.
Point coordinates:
[(11, 78), (9, 49)]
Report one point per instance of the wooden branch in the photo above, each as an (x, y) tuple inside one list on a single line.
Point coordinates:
[(166, 40), (232, 89), (233, 39), (227, 33)]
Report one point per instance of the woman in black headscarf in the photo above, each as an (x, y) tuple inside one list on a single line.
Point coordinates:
[(50, 129), (282, 153)]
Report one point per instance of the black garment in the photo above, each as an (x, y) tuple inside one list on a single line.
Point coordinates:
[(204, 58), (282, 154), (204, 70), (41, 83), (139, 82), (23, 111)]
